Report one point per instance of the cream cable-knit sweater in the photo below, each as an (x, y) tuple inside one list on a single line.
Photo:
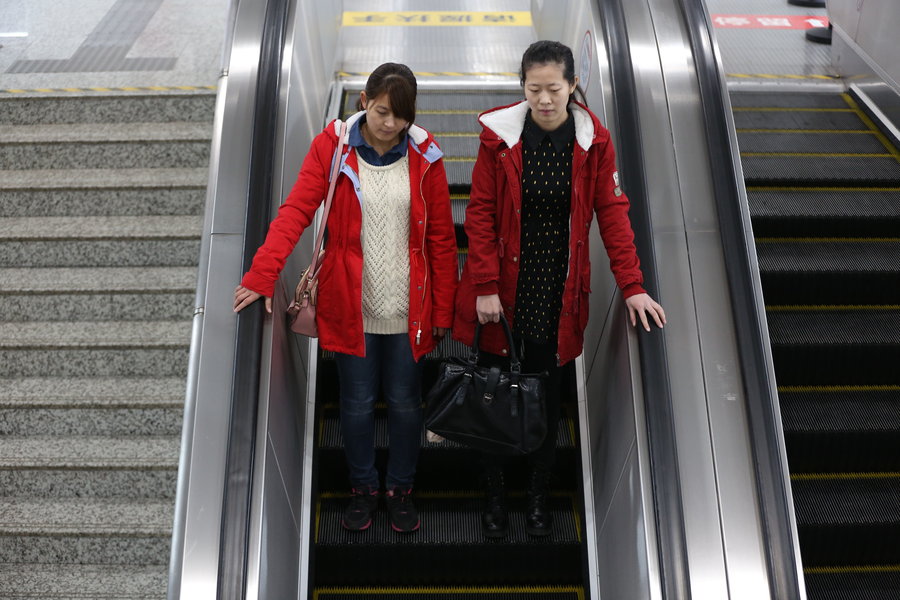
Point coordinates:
[(385, 244)]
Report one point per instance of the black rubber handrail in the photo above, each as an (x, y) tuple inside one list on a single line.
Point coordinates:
[(762, 403), (672, 547), (239, 462)]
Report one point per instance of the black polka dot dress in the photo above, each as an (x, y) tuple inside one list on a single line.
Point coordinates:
[(544, 256)]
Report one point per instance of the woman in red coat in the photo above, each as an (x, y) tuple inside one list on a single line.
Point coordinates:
[(387, 281), (545, 166)]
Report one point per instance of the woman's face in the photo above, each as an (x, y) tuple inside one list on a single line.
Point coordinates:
[(380, 119), (547, 93)]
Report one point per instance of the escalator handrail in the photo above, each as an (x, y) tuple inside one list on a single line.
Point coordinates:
[(240, 451), (747, 312), (667, 496)]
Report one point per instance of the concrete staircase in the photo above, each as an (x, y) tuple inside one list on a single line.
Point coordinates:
[(100, 204)]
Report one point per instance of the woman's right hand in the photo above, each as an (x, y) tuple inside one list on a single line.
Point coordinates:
[(488, 308), (244, 298)]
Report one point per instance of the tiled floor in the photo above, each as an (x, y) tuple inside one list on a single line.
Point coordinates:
[(769, 54), (110, 43), (121, 43)]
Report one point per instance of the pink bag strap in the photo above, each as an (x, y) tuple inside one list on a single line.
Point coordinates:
[(332, 179)]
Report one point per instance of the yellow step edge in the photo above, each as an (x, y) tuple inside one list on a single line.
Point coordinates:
[(781, 188), (864, 569), (792, 109), (889, 146), (842, 476), (830, 307), (805, 131), (819, 154), (487, 590), (835, 389), (835, 240)]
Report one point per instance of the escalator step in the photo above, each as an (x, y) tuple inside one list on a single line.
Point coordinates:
[(426, 100), (825, 212), (845, 271), (822, 170), (459, 172), (835, 347), (449, 547), (455, 593), (844, 119), (864, 142), (857, 584), (459, 146), (449, 122), (848, 520), (330, 435), (786, 100), (842, 429)]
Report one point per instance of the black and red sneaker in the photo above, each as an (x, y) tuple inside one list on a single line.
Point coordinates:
[(402, 511), (358, 514)]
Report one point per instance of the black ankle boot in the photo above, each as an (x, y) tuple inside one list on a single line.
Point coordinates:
[(494, 522), (538, 519)]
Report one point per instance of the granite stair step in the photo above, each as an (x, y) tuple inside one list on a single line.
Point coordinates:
[(83, 192), (103, 146), (97, 294), (85, 530), (99, 241), (109, 108), (94, 349), (51, 582), (88, 452)]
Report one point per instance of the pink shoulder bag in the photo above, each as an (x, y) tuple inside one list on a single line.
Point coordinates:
[(302, 311)]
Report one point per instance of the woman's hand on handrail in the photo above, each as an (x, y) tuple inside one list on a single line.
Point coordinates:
[(244, 298), (640, 305)]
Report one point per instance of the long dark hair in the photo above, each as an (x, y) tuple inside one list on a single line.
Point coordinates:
[(545, 52), (399, 83)]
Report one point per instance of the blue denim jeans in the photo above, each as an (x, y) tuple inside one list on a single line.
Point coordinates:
[(388, 367)]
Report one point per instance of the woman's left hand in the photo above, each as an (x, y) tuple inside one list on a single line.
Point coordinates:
[(640, 305), (438, 333)]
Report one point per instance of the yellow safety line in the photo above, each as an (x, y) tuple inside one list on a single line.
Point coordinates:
[(459, 196), (782, 76), (821, 154), (799, 240), (842, 131), (836, 307), (790, 109), (540, 589), (842, 476), (440, 74), (851, 569), (318, 517), (781, 188), (435, 18), (448, 112), (895, 152), (151, 88), (837, 388)]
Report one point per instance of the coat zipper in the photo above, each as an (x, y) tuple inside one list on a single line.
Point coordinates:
[(424, 257)]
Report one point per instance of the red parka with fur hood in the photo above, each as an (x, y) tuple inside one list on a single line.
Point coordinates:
[(493, 220), (432, 242)]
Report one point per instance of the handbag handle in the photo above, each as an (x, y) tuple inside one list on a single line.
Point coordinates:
[(514, 365), (332, 180)]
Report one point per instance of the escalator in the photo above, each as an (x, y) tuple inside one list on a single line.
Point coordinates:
[(823, 184), (448, 558)]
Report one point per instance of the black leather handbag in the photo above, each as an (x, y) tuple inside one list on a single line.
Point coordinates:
[(495, 411)]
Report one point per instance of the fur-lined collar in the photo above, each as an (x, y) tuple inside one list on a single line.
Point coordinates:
[(508, 123)]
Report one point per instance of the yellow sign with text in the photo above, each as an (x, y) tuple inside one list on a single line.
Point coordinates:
[(437, 19)]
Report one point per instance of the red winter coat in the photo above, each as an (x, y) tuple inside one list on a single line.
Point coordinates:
[(493, 227), (432, 243)]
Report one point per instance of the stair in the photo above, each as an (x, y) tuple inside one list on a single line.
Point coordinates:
[(101, 199), (824, 191)]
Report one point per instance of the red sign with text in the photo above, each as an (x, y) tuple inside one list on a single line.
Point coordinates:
[(768, 21)]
